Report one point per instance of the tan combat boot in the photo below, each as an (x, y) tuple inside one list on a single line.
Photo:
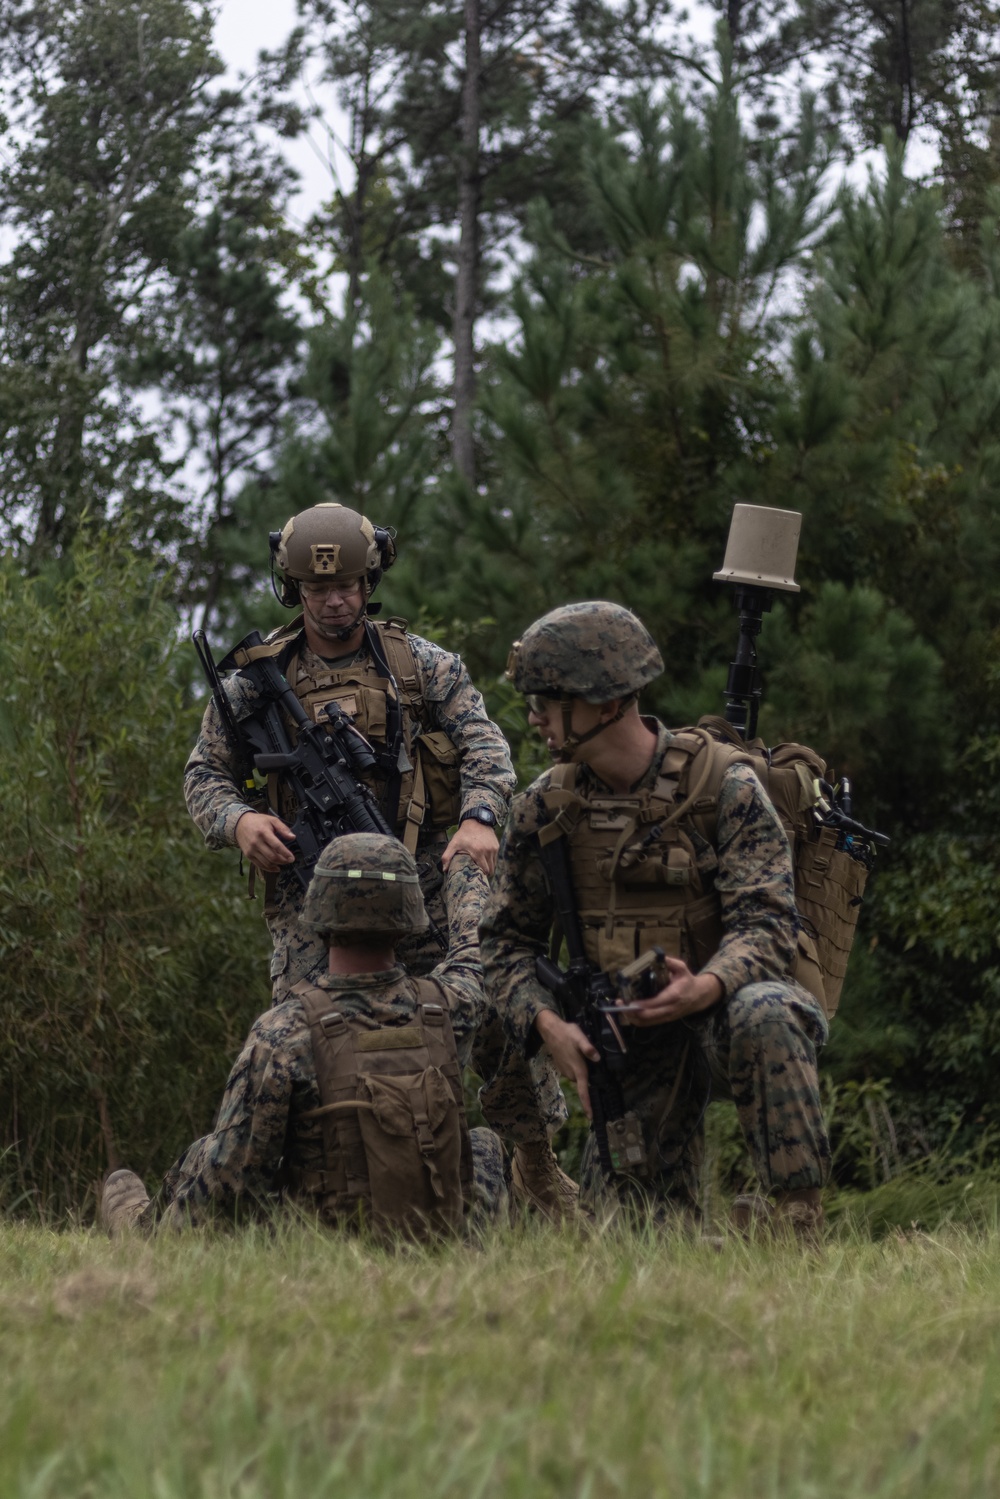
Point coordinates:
[(750, 1217), (800, 1214), (540, 1183), (793, 1215), (122, 1204)]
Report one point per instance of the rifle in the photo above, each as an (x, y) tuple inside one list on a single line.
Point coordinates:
[(321, 768), (586, 996)]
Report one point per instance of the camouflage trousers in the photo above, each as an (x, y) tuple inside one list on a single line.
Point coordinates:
[(207, 1184), (521, 1100), (758, 1049)]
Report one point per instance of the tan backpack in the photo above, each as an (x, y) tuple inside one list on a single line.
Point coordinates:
[(396, 1145), (829, 883)]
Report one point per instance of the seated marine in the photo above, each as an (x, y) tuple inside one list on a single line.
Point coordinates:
[(347, 1096)]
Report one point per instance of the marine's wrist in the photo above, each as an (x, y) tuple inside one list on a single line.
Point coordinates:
[(712, 987), (477, 798)]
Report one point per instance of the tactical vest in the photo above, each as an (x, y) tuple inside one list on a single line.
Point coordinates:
[(635, 868), (427, 762), (397, 1154), (641, 880)]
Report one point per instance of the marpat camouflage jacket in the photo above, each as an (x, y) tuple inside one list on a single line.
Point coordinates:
[(273, 1080), (753, 878), (452, 704)]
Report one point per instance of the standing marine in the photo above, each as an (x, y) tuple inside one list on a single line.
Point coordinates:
[(347, 1096), (671, 844), (440, 761)]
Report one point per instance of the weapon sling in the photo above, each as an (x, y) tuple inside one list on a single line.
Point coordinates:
[(584, 991)]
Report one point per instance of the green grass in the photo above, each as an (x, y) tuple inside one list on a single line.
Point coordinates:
[(302, 1364)]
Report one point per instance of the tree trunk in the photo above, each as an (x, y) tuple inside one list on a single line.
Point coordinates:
[(463, 453)]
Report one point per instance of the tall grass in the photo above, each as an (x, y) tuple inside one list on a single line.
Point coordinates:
[(272, 1364)]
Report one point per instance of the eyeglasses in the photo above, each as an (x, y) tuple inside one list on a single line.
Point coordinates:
[(535, 703), (340, 590)]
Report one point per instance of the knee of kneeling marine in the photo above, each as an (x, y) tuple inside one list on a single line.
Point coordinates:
[(778, 1008)]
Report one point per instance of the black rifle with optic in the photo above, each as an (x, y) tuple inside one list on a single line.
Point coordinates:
[(321, 769), (587, 996)]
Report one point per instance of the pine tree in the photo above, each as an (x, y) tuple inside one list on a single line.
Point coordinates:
[(220, 345), (635, 399), (109, 107), (460, 115), (117, 135)]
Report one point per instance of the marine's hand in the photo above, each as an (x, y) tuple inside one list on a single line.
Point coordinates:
[(569, 1049), (259, 837), (686, 994), (475, 839)]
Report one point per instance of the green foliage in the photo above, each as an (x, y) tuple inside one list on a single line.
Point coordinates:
[(397, 71), (633, 407), (128, 970), (688, 315), (108, 120), (220, 346), (855, 678)]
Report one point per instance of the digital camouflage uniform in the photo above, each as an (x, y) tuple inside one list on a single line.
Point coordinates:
[(521, 1099), (261, 1135), (758, 1045)]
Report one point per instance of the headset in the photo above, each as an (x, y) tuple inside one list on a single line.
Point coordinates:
[(289, 596)]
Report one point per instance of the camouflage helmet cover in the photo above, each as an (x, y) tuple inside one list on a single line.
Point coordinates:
[(595, 650), (365, 885), (328, 541)]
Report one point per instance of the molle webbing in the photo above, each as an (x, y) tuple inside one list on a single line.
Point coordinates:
[(828, 883), (636, 871), (395, 1141), (383, 693)]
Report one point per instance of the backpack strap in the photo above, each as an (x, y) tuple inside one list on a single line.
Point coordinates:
[(562, 802), (439, 1038), (337, 1080), (395, 642), (389, 638), (701, 764)]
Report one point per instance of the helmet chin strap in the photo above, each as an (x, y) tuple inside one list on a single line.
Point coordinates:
[(346, 631), (571, 742)]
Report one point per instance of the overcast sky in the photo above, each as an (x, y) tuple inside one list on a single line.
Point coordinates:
[(243, 28)]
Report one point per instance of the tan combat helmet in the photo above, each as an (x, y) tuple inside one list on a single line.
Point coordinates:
[(330, 541), (365, 888), (596, 651)]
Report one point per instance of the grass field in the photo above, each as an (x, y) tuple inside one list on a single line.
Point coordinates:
[(301, 1364)]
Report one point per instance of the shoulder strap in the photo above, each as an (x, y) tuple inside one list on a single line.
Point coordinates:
[(700, 776), (281, 646), (401, 661), (337, 1081), (563, 803)]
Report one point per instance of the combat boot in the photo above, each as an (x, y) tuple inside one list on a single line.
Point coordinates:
[(751, 1217), (539, 1182), (796, 1214), (123, 1203), (800, 1214)]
